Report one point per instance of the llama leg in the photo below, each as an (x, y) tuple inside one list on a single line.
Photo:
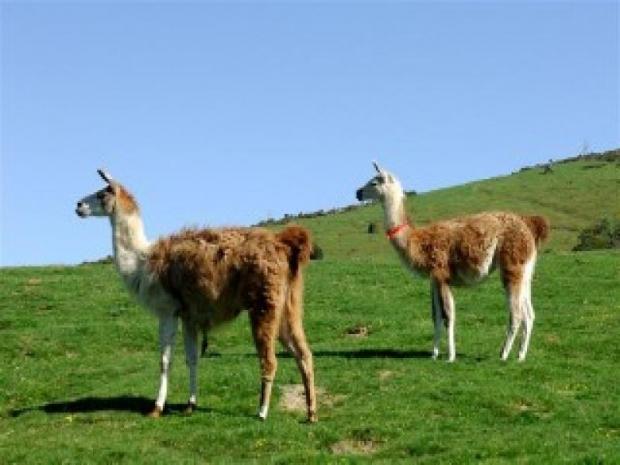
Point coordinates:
[(449, 313), (526, 303), (264, 330), (294, 338), (167, 333), (515, 312), (436, 317), (528, 315), (190, 340)]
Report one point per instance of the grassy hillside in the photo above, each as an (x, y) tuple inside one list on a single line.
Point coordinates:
[(80, 368), (574, 196), (80, 358)]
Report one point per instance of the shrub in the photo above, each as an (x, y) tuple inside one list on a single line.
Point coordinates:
[(108, 259), (317, 252), (603, 235)]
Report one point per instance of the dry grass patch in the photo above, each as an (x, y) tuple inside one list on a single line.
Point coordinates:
[(384, 375), (354, 447), (358, 331), (293, 398), (524, 407)]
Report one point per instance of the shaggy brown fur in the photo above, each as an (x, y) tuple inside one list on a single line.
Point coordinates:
[(539, 226), (126, 201), (453, 251), (208, 276), (216, 274), (463, 251)]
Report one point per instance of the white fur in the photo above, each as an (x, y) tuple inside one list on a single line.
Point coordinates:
[(485, 266), (436, 316), (167, 333), (528, 309), (521, 312), (263, 411), (475, 276)]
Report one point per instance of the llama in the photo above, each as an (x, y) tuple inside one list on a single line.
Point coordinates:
[(461, 252), (205, 277)]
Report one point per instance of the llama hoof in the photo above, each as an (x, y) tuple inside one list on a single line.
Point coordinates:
[(312, 417), (189, 408), (262, 412), (435, 355), (156, 412)]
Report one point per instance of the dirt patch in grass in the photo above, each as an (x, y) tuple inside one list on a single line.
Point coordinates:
[(293, 398), (384, 375), (552, 339), (527, 409), (354, 447), (358, 331)]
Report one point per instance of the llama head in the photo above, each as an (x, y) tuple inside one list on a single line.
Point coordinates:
[(110, 200), (380, 187)]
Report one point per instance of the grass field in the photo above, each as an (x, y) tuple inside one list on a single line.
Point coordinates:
[(80, 364)]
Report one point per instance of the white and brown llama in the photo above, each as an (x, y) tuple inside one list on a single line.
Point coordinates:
[(461, 252), (205, 277)]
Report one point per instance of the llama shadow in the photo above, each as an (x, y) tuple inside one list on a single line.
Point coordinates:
[(132, 404), (390, 353), (363, 354), (373, 353)]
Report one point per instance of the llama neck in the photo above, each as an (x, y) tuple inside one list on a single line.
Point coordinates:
[(130, 245), (394, 210), (395, 218)]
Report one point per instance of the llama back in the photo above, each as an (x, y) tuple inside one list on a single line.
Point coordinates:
[(196, 260), (539, 225)]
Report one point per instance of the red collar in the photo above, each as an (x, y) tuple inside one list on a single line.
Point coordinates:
[(392, 232)]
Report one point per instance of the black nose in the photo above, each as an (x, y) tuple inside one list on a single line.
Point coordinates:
[(79, 204), (358, 194)]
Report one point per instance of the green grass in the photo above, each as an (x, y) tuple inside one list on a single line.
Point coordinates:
[(80, 363)]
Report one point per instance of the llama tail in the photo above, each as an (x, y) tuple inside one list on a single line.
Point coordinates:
[(539, 225), (299, 244)]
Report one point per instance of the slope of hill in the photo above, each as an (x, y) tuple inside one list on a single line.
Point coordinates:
[(576, 194)]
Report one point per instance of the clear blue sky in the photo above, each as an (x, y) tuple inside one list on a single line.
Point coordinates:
[(222, 114)]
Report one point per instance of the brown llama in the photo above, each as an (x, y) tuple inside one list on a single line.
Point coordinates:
[(461, 252), (208, 276)]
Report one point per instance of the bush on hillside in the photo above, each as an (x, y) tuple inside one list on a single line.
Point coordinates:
[(108, 259), (317, 252), (603, 235)]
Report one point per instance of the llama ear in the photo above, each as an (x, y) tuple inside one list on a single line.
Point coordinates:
[(105, 176), (379, 170)]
